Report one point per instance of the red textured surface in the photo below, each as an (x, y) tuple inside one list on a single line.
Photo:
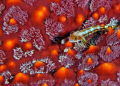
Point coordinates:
[(69, 26)]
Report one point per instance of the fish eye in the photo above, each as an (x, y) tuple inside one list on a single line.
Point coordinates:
[(75, 37), (72, 36)]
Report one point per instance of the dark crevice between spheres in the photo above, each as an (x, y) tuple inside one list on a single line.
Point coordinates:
[(17, 45), (58, 39), (11, 80), (53, 72)]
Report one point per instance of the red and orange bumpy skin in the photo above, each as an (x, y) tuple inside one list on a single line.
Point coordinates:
[(31, 56)]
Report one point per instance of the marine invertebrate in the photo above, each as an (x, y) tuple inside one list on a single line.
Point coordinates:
[(118, 78), (19, 84), (19, 15), (78, 55), (97, 4), (53, 28), (82, 3), (39, 43), (113, 39), (50, 65), (34, 32), (103, 18), (31, 50), (67, 83), (110, 56), (2, 7), (18, 53), (28, 53), (35, 36), (55, 7), (88, 79), (109, 83), (2, 56), (7, 76), (66, 61), (90, 22), (88, 62), (30, 2), (28, 34), (27, 67), (25, 36), (50, 82), (67, 8)]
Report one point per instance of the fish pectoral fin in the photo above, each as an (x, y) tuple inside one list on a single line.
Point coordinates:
[(82, 44), (84, 40)]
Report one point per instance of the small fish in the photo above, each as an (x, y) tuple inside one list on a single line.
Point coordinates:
[(79, 36)]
